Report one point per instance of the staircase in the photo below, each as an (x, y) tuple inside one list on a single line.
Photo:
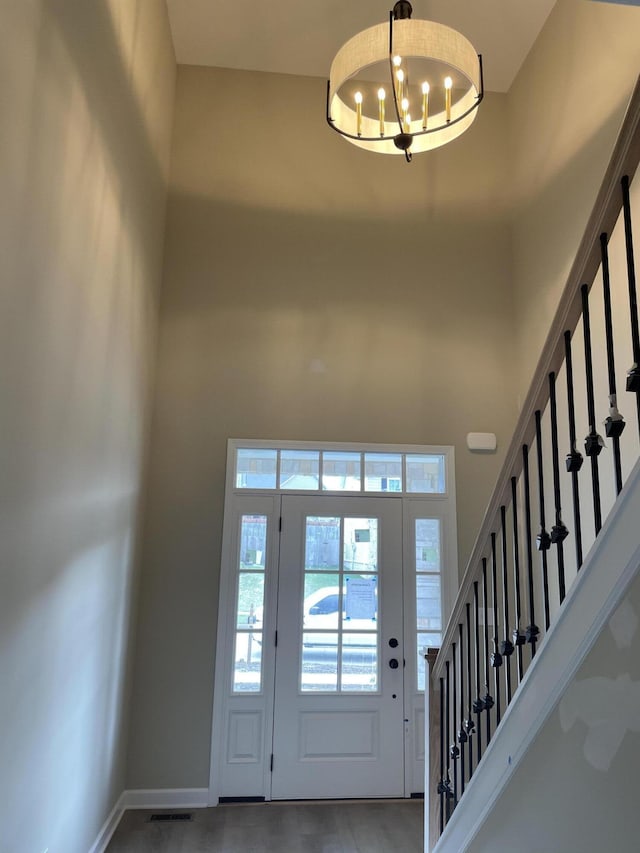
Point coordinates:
[(537, 659)]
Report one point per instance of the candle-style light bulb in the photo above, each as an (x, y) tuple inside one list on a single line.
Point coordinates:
[(397, 60), (425, 105), (407, 123), (400, 78), (448, 83), (405, 109), (381, 97), (358, 100)]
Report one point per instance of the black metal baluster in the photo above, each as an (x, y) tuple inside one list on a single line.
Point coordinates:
[(559, 531), (614, 424), (574, 457), (469, 726), (441, 786), (532, 632), (454, 750), (448, 791), (478, 704), (543, 539), (633, 375), (488, 698), (496, 657), (462, 735), (593, 443), (506, 647), (518, 636)]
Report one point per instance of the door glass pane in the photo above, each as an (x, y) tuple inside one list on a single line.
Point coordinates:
[(427, 544), (247, 670), (321, 601), (253, 541), (256, 468), (425, 641), (383, 472), (428, 602), (322, 543), (341, 472), (359, 662), (425, 473), (361, 544), (250, 600), (340, 601), (428, 590), (319, 671), (300, 469), (249, 616)]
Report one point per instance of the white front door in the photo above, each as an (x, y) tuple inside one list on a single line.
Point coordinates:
[(338, 723)]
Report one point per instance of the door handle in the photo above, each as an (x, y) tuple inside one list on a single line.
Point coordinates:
[(393, 663), (393, 643)]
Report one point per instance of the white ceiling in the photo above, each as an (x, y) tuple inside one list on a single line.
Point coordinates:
[(302, 36)]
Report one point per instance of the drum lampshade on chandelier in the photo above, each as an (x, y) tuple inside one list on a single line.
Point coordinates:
[(405, 87)]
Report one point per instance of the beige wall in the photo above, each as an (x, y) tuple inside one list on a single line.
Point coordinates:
[(312, 291), (86, 94), (565, 109)]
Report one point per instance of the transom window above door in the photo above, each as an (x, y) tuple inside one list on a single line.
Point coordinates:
[(308, 469)]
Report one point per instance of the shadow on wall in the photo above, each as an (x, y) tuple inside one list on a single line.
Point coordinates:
[(66, 646), (262, 141), (78, 51), (115, 45), (547, 231), (346, 326), (86, 191)]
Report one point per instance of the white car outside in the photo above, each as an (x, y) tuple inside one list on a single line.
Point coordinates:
[(320, 613)]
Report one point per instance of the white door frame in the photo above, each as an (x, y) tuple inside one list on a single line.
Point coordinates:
[(256, 709)]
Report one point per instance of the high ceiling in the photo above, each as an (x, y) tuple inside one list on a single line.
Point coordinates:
[(302, 36)]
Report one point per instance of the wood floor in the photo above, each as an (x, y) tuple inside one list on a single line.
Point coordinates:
[(373, 826)]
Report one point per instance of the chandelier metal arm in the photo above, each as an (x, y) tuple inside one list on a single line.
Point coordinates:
[(400, 10), (401, 134), (393, 84)]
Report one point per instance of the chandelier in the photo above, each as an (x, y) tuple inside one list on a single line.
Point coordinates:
[(404, 88)]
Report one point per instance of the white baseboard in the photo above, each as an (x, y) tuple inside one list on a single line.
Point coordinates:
[(108, 827), (154, 798), (166, 798)]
